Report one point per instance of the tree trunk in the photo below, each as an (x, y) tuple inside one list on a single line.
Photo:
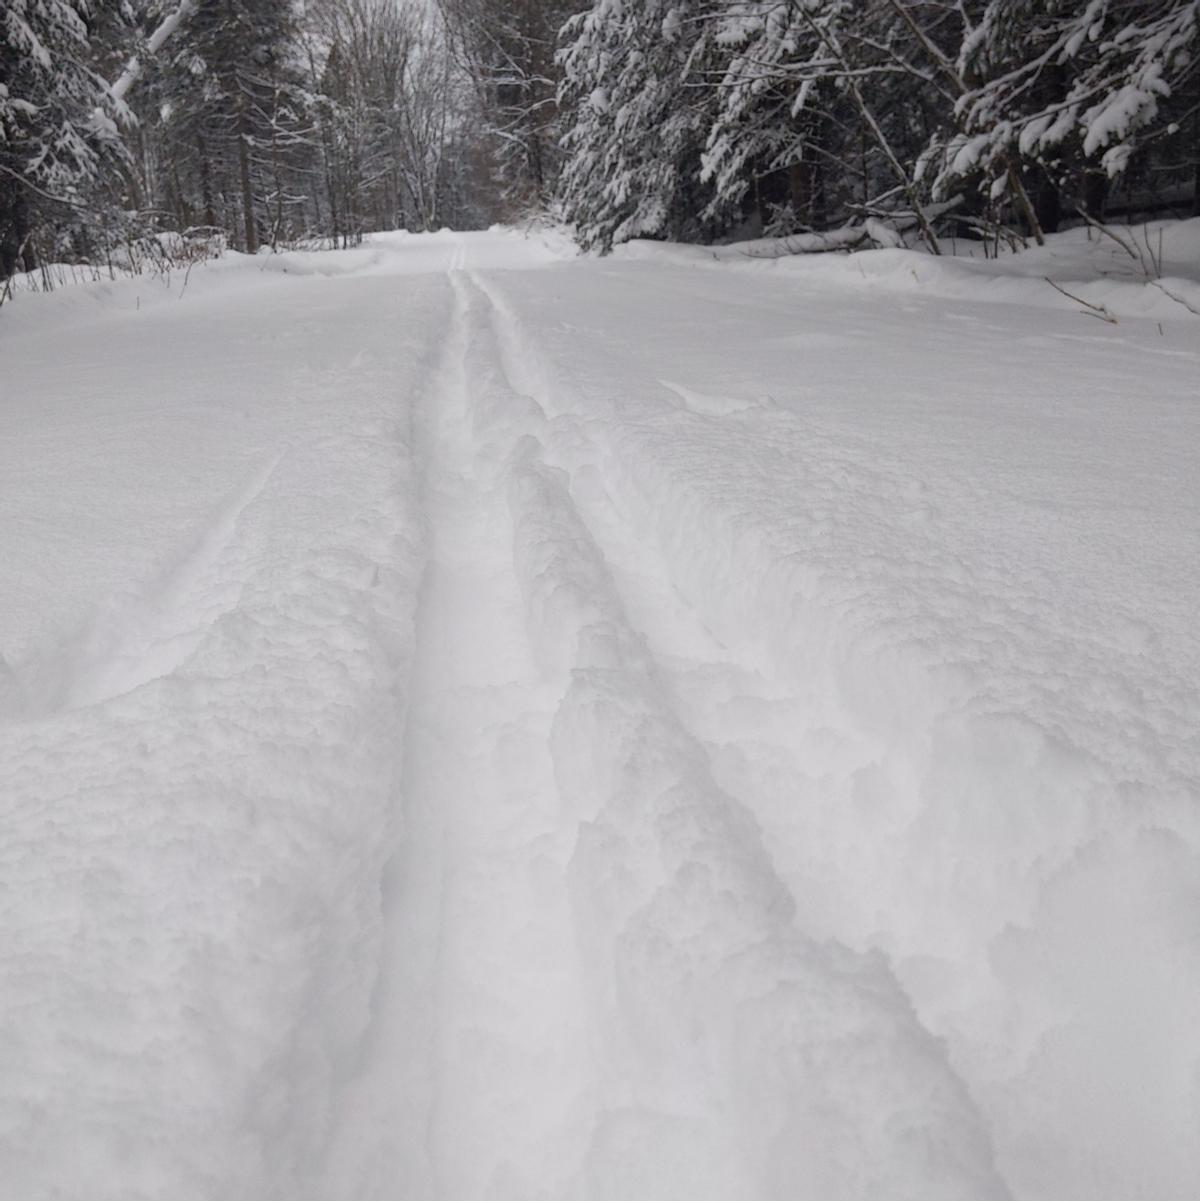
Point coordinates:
[(1017, 187), (12, 233), (1095, 193), (206, 191), (799, 194), (1047, 202), (247, 189), (1196, 175), (1196, 146)]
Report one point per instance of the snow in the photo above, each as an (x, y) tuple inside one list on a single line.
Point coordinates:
[(477, 723), (1147, 271)]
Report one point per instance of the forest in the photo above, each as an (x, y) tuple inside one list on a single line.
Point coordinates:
[(598, 600), (136, 129)]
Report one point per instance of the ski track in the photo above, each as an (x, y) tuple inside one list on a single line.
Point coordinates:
[(662, 844), (594, 986), (145, 637), (483, 1058)]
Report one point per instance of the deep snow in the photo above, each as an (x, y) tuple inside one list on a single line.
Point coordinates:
[(482, 724)]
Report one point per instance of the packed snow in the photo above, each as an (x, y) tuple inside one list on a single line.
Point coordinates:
[(482, 724)]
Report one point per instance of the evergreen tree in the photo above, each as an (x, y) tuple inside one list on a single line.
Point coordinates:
[(57, 117), (637, 121), (1075, 90)]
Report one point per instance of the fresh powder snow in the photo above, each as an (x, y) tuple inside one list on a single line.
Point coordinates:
[(482, 724)]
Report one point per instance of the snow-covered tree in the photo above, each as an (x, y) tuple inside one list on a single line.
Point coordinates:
[(1068, 85), (823, 107), (57, 116), (692, 118), (228, 109), (639, 114), (769, 110)]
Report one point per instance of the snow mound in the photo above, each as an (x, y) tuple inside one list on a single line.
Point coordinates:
[(1150, 271)]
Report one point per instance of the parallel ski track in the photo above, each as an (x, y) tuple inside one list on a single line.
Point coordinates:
[(650, 803), (486, 994)]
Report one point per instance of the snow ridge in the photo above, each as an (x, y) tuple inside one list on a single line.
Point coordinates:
[(195, 845)]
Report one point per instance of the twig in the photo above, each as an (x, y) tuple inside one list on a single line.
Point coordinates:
[(186, 276), (1157, 283), (1152, 269), (1156, 260), (1097, 310)]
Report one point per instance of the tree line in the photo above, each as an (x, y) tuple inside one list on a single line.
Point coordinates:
[(266, 122), (261, 122), (692, 118)]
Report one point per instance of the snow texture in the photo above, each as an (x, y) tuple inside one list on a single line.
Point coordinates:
[(485, 725)]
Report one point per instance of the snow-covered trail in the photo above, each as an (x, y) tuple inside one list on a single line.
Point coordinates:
[(479, 726), (482, 1059)]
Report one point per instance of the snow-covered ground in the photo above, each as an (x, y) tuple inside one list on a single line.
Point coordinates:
[(483, 725)]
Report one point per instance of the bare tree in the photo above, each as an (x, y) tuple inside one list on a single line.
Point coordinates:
[(508, 48)]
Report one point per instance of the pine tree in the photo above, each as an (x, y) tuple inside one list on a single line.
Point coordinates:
[(57, 117), (227, 106), (637, 121), (1070, 91)]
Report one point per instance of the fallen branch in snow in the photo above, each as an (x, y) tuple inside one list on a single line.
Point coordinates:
[(1090, 309), (905, 219), (879, 227), (1158, 283), (846, 237)]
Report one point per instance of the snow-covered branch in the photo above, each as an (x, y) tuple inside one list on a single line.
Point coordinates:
[(156, 41)]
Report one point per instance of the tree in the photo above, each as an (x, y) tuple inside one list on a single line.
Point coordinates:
[(637, 123), (1074, 89), (507, 48), (57, 117), (827, 97), (231, 96)]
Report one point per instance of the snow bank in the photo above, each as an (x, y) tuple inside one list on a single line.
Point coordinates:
[(192, 866), (1152, 272), (88, 292)]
